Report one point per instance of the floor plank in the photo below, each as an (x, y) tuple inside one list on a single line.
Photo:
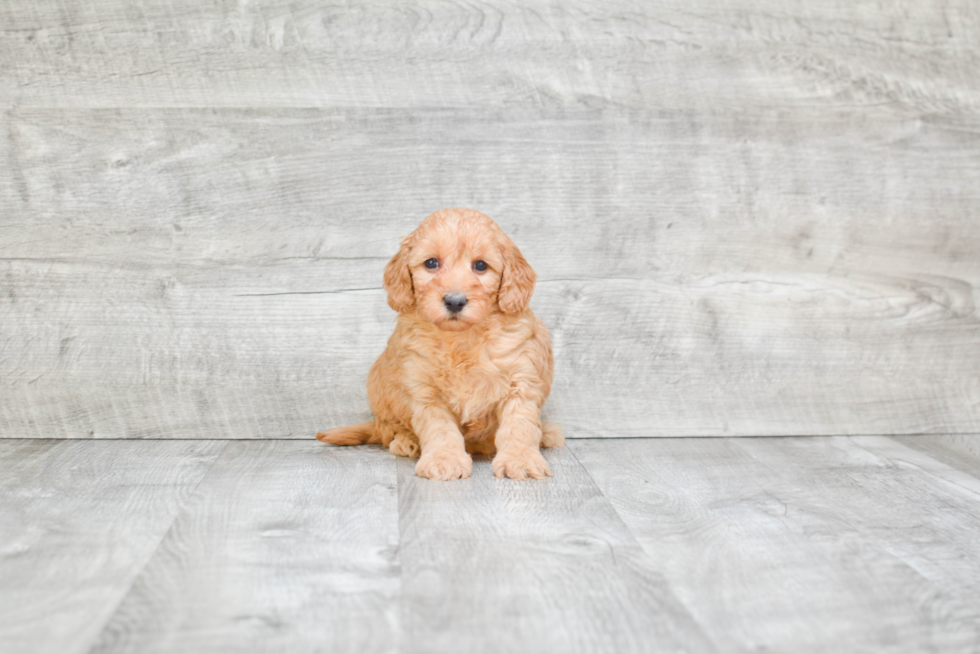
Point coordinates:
[(908, 506), (801, 545), (285, 546), (78, 521), (501, 566), (961, 451)]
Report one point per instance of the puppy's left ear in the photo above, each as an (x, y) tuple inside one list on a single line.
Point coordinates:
[(516, 281), (398, 281)]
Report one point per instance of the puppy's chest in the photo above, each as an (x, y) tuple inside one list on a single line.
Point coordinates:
[(471, 387)]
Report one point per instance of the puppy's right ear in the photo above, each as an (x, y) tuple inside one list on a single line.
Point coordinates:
[(398, 281)]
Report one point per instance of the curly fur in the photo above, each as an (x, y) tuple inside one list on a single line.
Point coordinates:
[(454, 384)]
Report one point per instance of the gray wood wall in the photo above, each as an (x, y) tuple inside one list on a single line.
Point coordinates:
[(748, 217)]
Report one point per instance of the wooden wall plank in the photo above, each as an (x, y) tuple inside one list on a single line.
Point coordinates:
[(284, 547), (710, 55), (79, 520), (185, 352), (493, 565), (217, 274), (803, 545), (605, 193)]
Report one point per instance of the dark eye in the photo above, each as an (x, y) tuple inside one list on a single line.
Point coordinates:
[(431, 264), (479, 266)]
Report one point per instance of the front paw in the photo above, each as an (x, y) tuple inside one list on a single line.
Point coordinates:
[(521, 464), (444, 466)]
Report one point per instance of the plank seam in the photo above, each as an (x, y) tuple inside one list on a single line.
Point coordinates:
[(177, 514)]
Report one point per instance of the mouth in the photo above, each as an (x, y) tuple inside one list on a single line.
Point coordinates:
[(453, 324)]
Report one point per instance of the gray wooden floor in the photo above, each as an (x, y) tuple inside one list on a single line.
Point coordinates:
[(830, 544)]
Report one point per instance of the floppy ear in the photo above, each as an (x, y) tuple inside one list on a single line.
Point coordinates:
[(398, 281), (516, 281)]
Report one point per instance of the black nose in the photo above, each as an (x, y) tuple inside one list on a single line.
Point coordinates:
[(454, 302)]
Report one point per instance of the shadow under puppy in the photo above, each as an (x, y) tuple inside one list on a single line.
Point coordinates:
[(469, 365)]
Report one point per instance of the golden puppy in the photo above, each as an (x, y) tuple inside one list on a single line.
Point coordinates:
[(469, 365)]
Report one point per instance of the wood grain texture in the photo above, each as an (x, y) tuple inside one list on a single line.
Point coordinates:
[(709, 55), (285, 546), (78, 521), (795, 545), (610, 193), (491, 565), (751, 217), (803, 545), (960, 451), (202, 274)]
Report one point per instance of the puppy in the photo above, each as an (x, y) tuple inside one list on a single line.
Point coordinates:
[(469, 365)]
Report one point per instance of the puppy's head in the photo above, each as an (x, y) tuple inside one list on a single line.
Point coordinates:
[(457, 269)]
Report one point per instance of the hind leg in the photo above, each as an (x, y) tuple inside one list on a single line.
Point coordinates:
[(388, 405), (405, 444), (399, 440), (551, 435)]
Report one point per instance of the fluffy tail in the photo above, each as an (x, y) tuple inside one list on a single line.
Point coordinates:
[(350, 435), (551, 435)]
